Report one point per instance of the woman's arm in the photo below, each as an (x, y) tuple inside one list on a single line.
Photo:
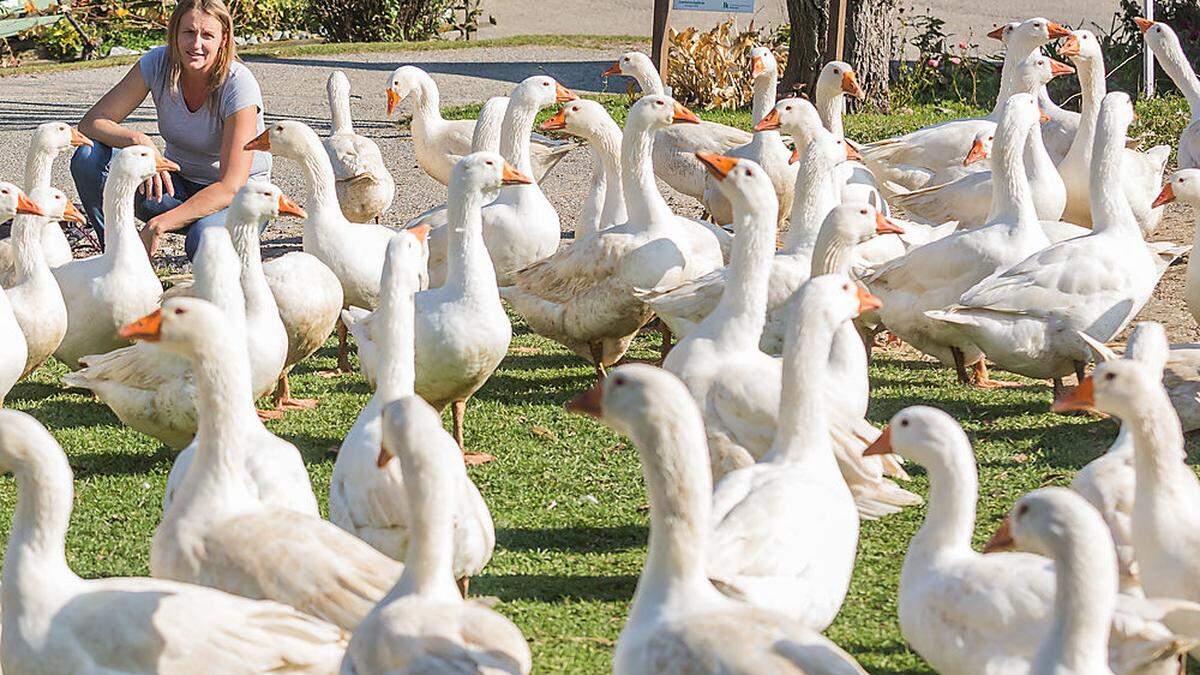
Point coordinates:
[(240, 128), (103, 123)]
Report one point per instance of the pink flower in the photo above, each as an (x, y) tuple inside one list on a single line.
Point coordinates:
[(962, 45), (955, 60), (932, 63)]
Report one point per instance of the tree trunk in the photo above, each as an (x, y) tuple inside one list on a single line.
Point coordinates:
[(870, 33)]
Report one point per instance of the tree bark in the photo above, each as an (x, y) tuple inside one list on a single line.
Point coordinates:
[(870, 33)]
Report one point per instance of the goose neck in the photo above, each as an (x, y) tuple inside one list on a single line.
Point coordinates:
[(1158, 450), (1092, 90), (1038, 165), (1110, 207), (28, 260), (1192, 282), (737, 321), (396, 317), (650, 82), (516, 129), (803, 430), (468, 266), (224, 402), (35, 561), (427, 103), (1010, 80), (642, 199), (833, 254), (321, 200), (257, 291), (121, 241), (763, 97), (1012, 199), (607, 146), (1175, 63), (830, 107), (486, 135), (1085, 597), (429, 562), (815, 198), (39, 165), (339, 108), (953, 492)]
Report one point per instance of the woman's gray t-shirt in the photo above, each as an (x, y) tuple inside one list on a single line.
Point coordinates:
[(194, 138)]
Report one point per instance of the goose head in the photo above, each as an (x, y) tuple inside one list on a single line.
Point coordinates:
[(286, 138), (981, 146), (853, 224), (1038, 70), (632, 64), (259, 201), (409, 426), (1116, 113), (1119, 388), (839, 298), (1159, 34), (58, 137), (182, 325), (1003, 32), (1048, 521), (837, 77), (795, 116), (580, 117), (1148, 343), (56, 206), (1019, 111), (1082, 47), (13, 201), (1028, 34), (1183, 185), (637, 400), (542, 91), (763, 63), (139, 162), (401, 83), (925, 435), (658, 112), (484, 172), (743, 182)]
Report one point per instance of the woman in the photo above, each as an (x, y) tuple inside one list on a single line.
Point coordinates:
[(209, 106)]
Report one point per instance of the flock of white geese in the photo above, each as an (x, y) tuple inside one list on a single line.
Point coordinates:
[(1024, 245)]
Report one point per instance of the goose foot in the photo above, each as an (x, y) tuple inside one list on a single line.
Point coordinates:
[(960, 366), (477, 458), (665, 347), (979, 378), (284, 400), (270, 415), (343, 349), (462, 586), (597, 351), (1056, 386), (1080, 371), (458, 410)]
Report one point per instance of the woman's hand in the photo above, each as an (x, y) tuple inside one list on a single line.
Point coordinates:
[(154, 186), (158, 226)]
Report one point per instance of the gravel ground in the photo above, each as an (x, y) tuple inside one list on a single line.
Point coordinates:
[(294, 88)]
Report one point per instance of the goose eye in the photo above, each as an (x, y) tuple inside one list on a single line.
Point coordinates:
[(1022, 510), (862, 212), (658, 103), (1110, 376), (749, 172), (846, 287), (180, 310), (903, 423), (489, 162), (574, 108), (836, 71), (618, 381)]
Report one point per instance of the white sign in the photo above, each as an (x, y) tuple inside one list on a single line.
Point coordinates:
[(739, 6)]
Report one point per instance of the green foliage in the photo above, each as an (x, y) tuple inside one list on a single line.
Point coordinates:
[(1123, 43), (379, 20), (942, 71), (261, 17)]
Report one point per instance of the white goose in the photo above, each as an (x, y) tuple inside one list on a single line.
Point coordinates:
[(1059, 131), (911, 159), (14, 354), (1140, 172), (352, 251), (369, 495), (935, 275), (55, 621), (439, 143), (33, 293), (678, 621), (765, 148), (1163, 41), (584, 296), (605, 205), (48, 142), (1025, 318), (836, 81), (365, 188), (766, 515), (968, 199), (521, 227), (423, 624), (964, 612), (219, 531), (106, 291), (675, 147)]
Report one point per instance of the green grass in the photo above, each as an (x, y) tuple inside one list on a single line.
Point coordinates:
[(566, 493)]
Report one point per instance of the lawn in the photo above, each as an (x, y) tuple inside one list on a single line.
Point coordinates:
[(566, 493)]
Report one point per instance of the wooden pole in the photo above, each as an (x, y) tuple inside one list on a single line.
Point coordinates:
[(835, 43), (1148, 64), (658, 50)]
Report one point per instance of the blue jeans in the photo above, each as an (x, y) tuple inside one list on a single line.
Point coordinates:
[(89, 168)]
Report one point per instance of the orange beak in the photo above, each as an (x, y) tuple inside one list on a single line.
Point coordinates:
[(260, 142), (562, 94), (287, 207), (717, 165), (997, 33), (1002, 540), (882, 445), (78, 139), (393, 100), (1143, 24), (850, 84), (1068, 48), (866, 301), (1056, 30), (384, 457), (589, 402), (28, 206), (1079, 398), (556, 123), (513, 177), (885, 226), (977, 153), (795, 154), (1042, 116), (73, 214), (146, 328), (163, 164), (756, 67), (614, 69), (768, 123), (683, 115), (1165, 197), (1059, 68), (420, 231), (851, 153)]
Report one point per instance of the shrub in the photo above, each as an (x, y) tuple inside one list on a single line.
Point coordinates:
[(1122, 41), (379, 20), (261, 17), (709, 69), (960, 71)]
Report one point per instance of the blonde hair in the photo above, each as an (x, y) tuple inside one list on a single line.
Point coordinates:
[(225, 56)]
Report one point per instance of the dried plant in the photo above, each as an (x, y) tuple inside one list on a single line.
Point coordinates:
[(711, 69)]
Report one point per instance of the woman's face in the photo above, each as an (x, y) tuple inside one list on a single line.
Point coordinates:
[(200, 39)]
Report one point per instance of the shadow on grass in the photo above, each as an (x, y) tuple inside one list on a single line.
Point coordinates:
[(577, 539), (555, 588), (115, 463)]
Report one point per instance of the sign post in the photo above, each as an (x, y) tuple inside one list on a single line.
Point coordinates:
[(662, 19), (1148, 63)]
